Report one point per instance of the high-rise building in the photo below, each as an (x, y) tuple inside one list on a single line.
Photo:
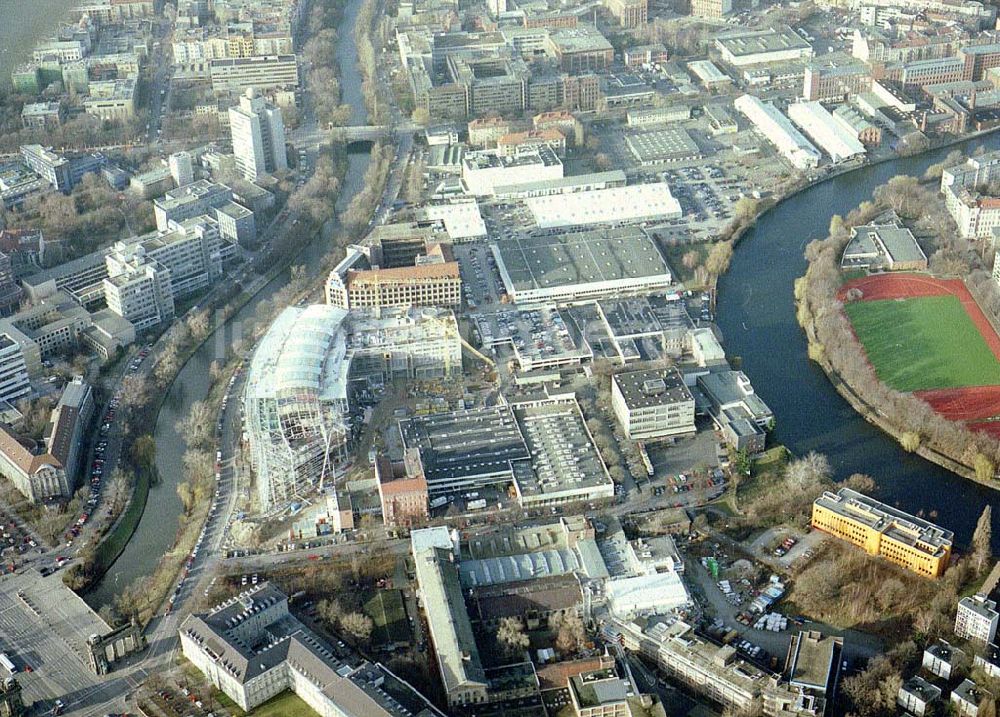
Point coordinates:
[(140, 290), (10, 292), (258, 136), (181, 168), (14, 384)]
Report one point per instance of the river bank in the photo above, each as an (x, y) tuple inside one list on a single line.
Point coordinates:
[(757, 318), (153, 538)]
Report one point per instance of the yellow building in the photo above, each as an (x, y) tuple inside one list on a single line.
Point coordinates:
[(882, 530)]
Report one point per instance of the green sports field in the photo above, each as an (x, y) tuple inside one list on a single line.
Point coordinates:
[(923, 343)]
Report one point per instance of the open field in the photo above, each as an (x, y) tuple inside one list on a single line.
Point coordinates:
[(389, 615), (928, 342)]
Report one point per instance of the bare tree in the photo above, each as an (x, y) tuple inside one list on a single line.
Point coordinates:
[(511, 636)]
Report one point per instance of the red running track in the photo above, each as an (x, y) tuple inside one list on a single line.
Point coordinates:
[(970, 404), (910, 286)]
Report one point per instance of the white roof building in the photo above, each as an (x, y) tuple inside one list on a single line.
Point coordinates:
[(614, 205), (296, 400), (828, 133), (484, 171), (708, 74), (779, 131), (653, 594), (461, 218)]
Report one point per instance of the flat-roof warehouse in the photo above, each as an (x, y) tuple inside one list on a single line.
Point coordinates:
[(570, 267), (662, 145)]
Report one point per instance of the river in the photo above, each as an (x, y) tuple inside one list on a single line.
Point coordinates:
[(22, 24), (158, 527), (756, 312)]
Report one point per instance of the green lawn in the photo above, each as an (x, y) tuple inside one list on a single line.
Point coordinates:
[(287, 704), (928, 342)]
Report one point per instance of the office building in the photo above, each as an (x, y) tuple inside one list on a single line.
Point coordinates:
[(776, 128), (252, 649), (62, 173), (10, 293), (69, 424), (111, 100), (711, 9), (879, 529), (41, 115), (258, 137), (441, 596), (563, 269), (433, 279), (50, 326), (190, 251), (485, 170), (812, 666), (151, 184), (835, 79), (35, 472), (139, 290), (583, 48), (189, 201), (717, 673), (629, 13), (262, 73), (402, 490), (737, 410), (652, 404), (14, 380), (237, 224), (884, 247), (181, 168), (977, 619)]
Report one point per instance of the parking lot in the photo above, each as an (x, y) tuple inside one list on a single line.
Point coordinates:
[(44, 628), (481, 283)]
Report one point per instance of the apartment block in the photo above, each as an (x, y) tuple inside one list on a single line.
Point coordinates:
[(653, 404), (881, 530), (977, 619)]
